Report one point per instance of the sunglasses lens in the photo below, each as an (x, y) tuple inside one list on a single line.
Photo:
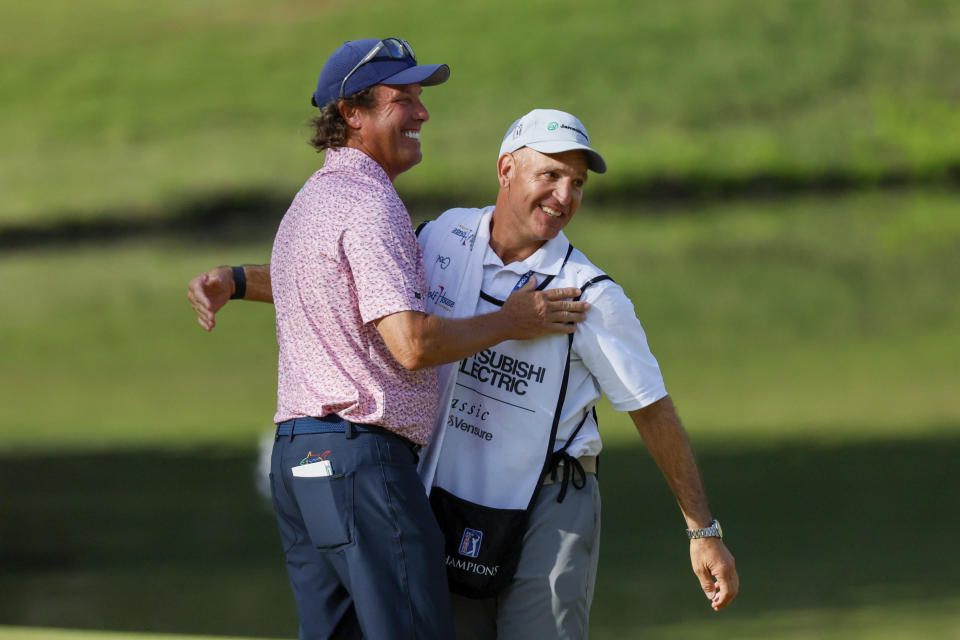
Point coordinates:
[(398, 49), (394, 48), (406, 45)]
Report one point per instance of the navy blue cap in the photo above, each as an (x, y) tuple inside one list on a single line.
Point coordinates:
[(381, 69)]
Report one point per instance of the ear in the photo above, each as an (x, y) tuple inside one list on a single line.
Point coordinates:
[(506, 168), (350, 114)]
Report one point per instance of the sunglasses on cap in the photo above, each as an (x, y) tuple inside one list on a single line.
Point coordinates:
[(393, 48)]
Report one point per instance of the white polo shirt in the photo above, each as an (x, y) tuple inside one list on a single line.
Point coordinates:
[(609, 354)]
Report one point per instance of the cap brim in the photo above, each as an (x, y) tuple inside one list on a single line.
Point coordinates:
[(595, 161), (424, 74)]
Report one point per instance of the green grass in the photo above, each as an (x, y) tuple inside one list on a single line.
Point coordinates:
[(887, 622), (811, 346), (104, 351), (114, 108), (911, 620), (895, 621), (845, 538), (827, 318), (819, 316), (42, 633)]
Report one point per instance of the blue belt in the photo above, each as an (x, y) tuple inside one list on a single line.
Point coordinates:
[(330, 423)]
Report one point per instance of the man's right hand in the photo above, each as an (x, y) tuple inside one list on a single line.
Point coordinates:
[(419, 340), (535, 313), (208, 292)]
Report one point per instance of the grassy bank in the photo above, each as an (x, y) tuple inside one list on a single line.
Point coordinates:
[(179, 542), (817, 318), (45, 633), (811, 346), (115, 108), (811, 343)]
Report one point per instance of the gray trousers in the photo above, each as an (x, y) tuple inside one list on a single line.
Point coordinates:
[(550, 594)]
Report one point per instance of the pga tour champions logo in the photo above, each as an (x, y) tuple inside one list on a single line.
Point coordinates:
[(470, 542), (470, 547)]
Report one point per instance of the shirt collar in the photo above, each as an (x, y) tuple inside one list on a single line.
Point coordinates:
[(546, 260), (354, 160)]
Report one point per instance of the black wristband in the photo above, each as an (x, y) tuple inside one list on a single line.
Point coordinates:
[(239, 283)]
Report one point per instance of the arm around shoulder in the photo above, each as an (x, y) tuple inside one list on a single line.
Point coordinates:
[(419, 340)]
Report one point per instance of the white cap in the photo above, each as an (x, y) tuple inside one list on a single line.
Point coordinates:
[(551, 131)]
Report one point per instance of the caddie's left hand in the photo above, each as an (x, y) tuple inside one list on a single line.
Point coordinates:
[(716, 569)]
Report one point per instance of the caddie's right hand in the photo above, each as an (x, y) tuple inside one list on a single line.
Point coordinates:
[(208, 292), (537, 313)]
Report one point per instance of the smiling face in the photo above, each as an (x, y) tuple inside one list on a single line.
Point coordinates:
[(538, 196), (389, 131)]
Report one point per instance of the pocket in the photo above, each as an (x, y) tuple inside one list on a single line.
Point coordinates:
[(326, 505), (482, 544), (288, 537)]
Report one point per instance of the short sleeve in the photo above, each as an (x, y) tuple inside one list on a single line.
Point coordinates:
[(387, 265), (613, 346)]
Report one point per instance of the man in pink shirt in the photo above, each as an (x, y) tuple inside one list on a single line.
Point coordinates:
[(357, 395)]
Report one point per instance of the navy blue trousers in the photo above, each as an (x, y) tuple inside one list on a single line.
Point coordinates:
[(364, 552)]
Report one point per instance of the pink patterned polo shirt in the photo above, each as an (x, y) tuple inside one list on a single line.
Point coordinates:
[(345, 255)]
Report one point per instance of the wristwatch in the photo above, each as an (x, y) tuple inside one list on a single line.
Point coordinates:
[(713, 531)]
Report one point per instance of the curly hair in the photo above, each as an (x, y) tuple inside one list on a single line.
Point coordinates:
[(330, 129)]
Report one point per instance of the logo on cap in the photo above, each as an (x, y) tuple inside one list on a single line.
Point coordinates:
[(552, 126), (574, 129)]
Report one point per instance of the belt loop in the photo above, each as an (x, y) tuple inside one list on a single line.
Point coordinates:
[(348, 429)]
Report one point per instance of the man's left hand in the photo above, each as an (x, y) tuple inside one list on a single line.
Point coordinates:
[(208, 292), (716, 569)]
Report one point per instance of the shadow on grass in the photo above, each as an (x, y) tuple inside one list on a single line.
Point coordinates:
[(232, 216), (153, 541), (811, 527)]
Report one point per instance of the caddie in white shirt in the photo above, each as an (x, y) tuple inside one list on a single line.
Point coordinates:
[(516, 425)]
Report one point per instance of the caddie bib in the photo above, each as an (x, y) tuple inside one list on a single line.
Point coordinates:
[(500, 413), (499, 420)]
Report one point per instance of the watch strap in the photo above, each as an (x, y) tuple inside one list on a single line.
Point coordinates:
[(713, 531)]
